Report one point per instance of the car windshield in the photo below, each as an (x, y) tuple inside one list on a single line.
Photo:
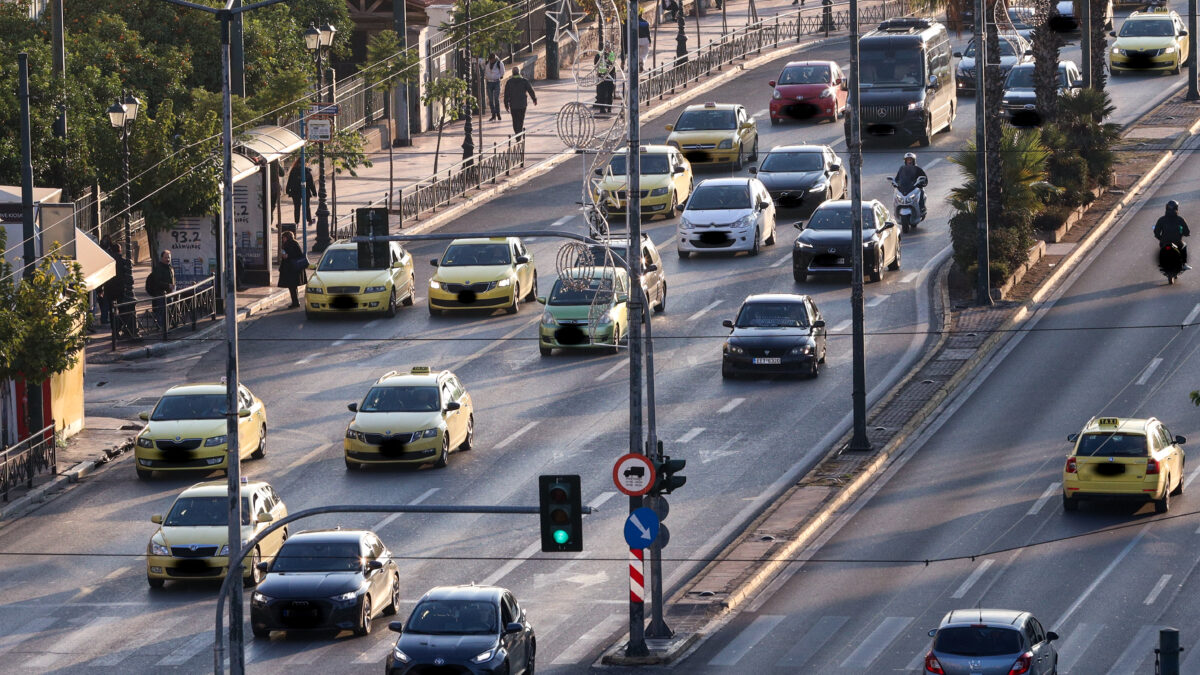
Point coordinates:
[(839, 219), (1111, 445), (1022, 78), (651, 164), (203, 512), (595, 255), (317, 556), (793, 161), (889, 68), (463, 255), (772, 315), (706, 120), (581, 291), (190, 407), (454, 617), (1020, 18), (1007, 48), (339, 260), (400, 399), (805, 75), (1147, 28), (977, 641), (716, 197)]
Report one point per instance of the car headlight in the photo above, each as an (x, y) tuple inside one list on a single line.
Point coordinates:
[(802, 350), (350, 595), (504, 283), (1118, 51), (484, 657), (725, 144), (434, 285), (548, 319), (916, 105), (259, 598), (144, 442), (734, 349), (604, 319), (776, 95), (375, 289), (1169, 50), (356, 435), (658, 192), (819, 187), (426, 433), (214, 441), (1005, 101), (159, 549), (313, 290), (826, 93), (803, 244), (673, 144), (746, 221), (399, 655), (685, 223), (225, 548)]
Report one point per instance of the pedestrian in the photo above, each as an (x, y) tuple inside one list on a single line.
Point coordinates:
[(106, 293), (669, 8), (293, 267), (297, 191), (120, 289), (515, 91), (643, 39), (493, 73), (159, 283), (606, 65)]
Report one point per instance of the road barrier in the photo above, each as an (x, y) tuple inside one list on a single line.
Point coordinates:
[(137, 318), (30, 456)]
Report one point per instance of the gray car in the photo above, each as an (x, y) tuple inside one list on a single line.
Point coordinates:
[(991, 642), (1014, 50)]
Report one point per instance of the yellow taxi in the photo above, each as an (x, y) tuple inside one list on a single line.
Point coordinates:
[(715, 133), (1149, 41), (410, 418), (192, 539), (587, 308), (186, 430), (1124, 458), (339, 284), (666, 181), (483, 273)]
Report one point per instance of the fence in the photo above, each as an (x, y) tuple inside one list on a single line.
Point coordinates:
[(131, 320), (30, 456)]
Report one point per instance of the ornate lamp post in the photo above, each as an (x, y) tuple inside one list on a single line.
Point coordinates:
[(122, 115), (317, 41)]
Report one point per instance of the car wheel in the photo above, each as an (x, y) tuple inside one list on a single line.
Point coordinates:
[(824, 353), (771, 239), (950, 123), (256, 575), (516, 303), (1070, 504), (1179, 488), (363, 626), (544, 350), (156, 583), (895, 265), (877, 270), (926, 137), (412, 293), (837, 113), (443, 458), (1176, 70), (1164, 504), (352, 466), (799, 276), (260, 631), (814, 370), (670, 212), (144, 474), (391, 307), (394, 605), (737, 163), (682, 253), (754, 150), (727, 372), (532, 296), (661, 305), (754, 251), (261, 450), (469, 441), (529, 662)]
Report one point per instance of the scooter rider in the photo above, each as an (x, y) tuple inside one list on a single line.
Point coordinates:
[(906, 178), (1171, 229)]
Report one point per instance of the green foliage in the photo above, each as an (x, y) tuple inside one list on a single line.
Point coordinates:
[(345, 153), (493, 24), (387, 66), (1081, 120), (450, 96)]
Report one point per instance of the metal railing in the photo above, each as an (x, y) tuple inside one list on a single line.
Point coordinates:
[(35, 454), (160, 315)]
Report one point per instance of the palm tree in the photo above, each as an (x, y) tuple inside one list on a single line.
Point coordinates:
[(1047, 43), (1081, 119), (1099, 9)]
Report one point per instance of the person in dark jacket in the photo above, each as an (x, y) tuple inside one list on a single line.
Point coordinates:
[(907, 175), (293, 267), (515, 91), (120, 289), (1171, 228), (102, 293), (605, 61), (643, 40), (161, 282), (296, 188)]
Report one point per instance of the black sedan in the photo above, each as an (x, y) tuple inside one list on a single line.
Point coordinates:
[(479, 630), (326, 580), (802, 176), (775, 333), (824, 244)]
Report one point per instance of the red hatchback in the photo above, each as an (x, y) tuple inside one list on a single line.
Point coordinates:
[(807, 90)]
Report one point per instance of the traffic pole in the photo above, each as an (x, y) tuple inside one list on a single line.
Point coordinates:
[(637, 580), (1192, 93), (858, 390)]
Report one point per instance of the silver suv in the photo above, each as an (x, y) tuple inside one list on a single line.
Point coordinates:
[(991, 642), (654, 277)]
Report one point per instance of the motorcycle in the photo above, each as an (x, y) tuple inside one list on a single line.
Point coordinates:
[(1170, 261), (908, 206)]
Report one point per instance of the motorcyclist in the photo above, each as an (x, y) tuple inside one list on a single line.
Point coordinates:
[(907, 175), (1171, 229)]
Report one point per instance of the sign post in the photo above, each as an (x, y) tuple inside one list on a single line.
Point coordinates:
[(634, 475)]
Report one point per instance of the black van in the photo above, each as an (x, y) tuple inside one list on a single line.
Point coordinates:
[(906, 81)]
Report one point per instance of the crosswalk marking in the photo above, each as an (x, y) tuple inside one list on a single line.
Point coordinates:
[(869, 649), (187, 650), (812, 641), (377, 652), (970, 581), (511, 565), (692, 433), (72, 641), (1140, 649), (745, 640), (1076, 644), (147, 637), (579, 649), (877, 300)]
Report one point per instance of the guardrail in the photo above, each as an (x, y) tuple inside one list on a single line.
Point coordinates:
[(134, 319), (35, 454)]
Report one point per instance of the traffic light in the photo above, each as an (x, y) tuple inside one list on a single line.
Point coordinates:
[(665, 479), (561, 512)]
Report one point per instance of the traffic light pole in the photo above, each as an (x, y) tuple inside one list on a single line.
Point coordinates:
[(658, 628), (858, 393)]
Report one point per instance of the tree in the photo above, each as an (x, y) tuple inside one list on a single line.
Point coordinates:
[(493, 24), (387, 67), (1099, 11), (1081, 119), (1047, 44), (450, 96)]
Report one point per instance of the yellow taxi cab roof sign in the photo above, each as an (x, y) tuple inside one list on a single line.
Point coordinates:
[(419, 370), (1109, 422), (710, 104)]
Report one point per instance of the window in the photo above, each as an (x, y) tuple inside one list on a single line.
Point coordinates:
[(375, 548), (446, 396), (508, 610), (1038, 633)]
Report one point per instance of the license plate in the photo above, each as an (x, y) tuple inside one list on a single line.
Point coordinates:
[(905, 211), (841, 261), (767, 361)]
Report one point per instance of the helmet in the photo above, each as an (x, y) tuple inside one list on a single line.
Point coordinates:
[(910, 155), (1172, 205)]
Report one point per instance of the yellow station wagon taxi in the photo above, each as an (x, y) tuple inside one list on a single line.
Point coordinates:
[(483, 273), (1124, 458), (340, 285), (410, 418), (192, 540), (1149, 41), (666, 181), (186, 430), (715, 133)]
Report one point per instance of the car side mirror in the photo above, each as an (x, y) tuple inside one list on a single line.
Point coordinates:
[(650, 268), (514, 627), (958, 55), (352, 407), (144, 416), (771, 83), (1182, 33), (753, 171), (1180, 440), (748, 125), (888, 225), (836, 166), (1072, 437), (452, 406), (156, 519), (728, 323), (1028, 52), (891, 180), (434, 262), (1112, 33), (680, 208), (678, 169), (670, 127), (522, 259), (263, 566), (312, 266), (932, 632), (374, 566), (799, 224), (819, 323), (599, 172), (541, 299), (396, 626), (244, 413), (933, 82), (265, 517)]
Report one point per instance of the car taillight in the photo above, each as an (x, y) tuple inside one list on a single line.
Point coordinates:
[(932, 665), (1071, 468), (1022, 664), (1151, 466)]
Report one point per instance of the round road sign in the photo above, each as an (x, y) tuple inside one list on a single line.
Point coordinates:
[(633, 474)]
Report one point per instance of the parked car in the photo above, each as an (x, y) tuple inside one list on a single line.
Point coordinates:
[(807, 90), (1014, 50), (991, 642), (824, 243), (774, 333), (727, 215), (802, 176)]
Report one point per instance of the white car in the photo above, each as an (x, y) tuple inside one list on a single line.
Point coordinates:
[(727, 214)]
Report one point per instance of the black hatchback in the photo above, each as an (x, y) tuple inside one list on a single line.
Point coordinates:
[(476, 630)]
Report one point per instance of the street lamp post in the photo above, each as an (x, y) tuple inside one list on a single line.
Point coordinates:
[(468, 144), (122, 115), (317, 41)]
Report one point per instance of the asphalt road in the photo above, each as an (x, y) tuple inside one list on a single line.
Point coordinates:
[(744, 441)]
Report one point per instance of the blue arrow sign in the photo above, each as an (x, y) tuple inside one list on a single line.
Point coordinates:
[(641, 528)]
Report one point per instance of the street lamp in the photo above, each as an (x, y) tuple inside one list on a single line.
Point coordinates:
[(317, 40), (121, 114)]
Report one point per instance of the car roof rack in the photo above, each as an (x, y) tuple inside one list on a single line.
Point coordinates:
[(904, 24)]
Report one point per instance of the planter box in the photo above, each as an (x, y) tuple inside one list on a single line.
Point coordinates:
[(1056, 235), (1035, 255)]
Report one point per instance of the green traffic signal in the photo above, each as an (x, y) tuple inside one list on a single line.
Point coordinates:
[(561, 511), (561, 536)]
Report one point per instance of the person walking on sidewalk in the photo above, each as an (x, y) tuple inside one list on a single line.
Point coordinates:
[(159, 283), (293, 267), (296, 187), (606, 66), (120, 290), (515, 91), (643, 39), (493, 73)]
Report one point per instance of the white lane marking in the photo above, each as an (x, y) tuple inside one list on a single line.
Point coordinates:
[(601, 498), (761, 113), (877, 300), (504, 443), (970, 581), (745, 640), (692, 433), (782, 260), (425, 495), (1139, 650), (579, 649), (874, 644), (148, 637), (28, 630), (704, 311), (1041, 501), (372, 323), (1188, 483), (841, 327), (731, 405), (812, 641), (73, 641), (187, 650), (347, 336), (511, 565), (908, 278), (561, 221), (619, 365), (1192, 315), (377, 652), (307, 656), (918, 661), (1158, 588), (1062, 620), (307, 359), (934, 162), (117, 572), (1076, 645), (1154, 364)]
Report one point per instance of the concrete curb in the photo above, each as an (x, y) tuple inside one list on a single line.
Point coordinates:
[(41, 494)]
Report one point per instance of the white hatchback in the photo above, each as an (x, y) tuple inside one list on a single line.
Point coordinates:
[(727, 214)]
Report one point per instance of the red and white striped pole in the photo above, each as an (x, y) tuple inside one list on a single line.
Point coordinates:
[(637, 586)]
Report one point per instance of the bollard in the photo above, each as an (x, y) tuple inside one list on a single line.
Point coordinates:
[(1166, 657)]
